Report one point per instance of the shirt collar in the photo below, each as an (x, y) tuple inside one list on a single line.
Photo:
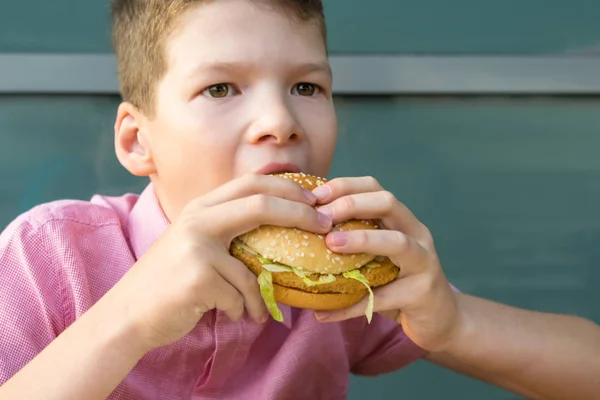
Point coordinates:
[(147, 222)]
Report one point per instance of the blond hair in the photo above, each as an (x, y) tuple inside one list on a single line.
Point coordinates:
[(140, 29)]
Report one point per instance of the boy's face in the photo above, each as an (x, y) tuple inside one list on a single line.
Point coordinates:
[(245, 87)]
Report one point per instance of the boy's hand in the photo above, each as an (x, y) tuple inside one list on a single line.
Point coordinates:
[(420, 299), (189, 270)]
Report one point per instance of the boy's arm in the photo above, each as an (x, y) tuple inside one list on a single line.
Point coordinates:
[(541, 356), (87, 361)]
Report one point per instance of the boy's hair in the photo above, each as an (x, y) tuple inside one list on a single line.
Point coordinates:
[(140, 29)]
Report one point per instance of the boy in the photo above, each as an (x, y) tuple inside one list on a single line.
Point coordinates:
[(138, 298)]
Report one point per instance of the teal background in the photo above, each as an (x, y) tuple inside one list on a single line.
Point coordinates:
[(509, 186), (355, 26)]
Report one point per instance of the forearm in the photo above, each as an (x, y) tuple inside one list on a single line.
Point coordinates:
[(541, 356), (87, 361)]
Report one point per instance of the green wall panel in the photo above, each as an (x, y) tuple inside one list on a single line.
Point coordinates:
[(356, 26)]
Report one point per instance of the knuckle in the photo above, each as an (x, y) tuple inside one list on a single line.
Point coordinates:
[(338, 186), (348, 202), (238, 303), (426, 234), (249, 283), (258, 204), (402, 241), (424, 285), (372, 182), (388, 200), (362, 238)]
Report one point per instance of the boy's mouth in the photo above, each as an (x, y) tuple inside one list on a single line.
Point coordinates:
[(278, 168)]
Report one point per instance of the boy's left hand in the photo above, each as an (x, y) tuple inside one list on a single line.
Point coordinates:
[(421, 299)]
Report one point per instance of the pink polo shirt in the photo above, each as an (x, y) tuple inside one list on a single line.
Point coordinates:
[(58, 259)]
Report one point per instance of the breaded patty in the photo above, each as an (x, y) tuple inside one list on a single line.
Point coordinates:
[(377, 276)]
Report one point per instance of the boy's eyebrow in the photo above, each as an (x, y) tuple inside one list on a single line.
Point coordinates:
[(304, 68)]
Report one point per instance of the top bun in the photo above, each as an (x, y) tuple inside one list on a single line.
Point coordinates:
[(303, 250)]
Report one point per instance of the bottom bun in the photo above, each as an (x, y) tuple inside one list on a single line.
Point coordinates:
[(317, 301)]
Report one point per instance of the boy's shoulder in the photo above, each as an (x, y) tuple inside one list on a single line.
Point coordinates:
[(56, 215)]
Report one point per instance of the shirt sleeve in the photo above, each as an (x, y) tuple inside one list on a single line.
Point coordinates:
[(384, 348), (30, 293)]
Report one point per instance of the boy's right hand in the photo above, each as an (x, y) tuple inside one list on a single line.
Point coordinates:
[(189, 271)]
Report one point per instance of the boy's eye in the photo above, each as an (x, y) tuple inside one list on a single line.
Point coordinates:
[(218, 91), (305, 89)]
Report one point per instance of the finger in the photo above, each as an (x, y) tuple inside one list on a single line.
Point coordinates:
[(381, 205), (239, 216), (388, 300), (240, 277), (402, 250), (251, 184), (339, 187), (229, 300)]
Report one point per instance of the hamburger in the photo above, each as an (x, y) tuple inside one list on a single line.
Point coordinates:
[(296, 268)]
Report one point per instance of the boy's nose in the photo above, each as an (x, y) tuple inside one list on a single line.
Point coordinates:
[(276, 125)]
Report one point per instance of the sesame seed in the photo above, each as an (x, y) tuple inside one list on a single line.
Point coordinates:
[(305, 236), (320, 237), (328, 257), (273, 243), (297, 245), (268, 234), (312, 255), (329, 251)]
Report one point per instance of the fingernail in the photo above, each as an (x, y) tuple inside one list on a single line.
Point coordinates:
[(309, 196), (339, 239), (324, 221), (264, 318), (322, 315), (322, 192)]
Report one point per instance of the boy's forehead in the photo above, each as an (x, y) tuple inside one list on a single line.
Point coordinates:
[(231, 33)]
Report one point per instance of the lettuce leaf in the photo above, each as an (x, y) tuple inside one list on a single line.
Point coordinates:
[(267, 291), (274, 267), (356, 275)]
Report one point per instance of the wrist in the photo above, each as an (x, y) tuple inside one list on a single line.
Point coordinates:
[(119, 329), (461, 329)]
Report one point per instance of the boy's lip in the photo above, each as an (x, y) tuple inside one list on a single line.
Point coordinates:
[(278, 167)]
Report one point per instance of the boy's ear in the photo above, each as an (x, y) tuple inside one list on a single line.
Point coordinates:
[(132, 144)]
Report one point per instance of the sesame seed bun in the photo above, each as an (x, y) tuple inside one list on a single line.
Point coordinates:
[(306, 260)]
